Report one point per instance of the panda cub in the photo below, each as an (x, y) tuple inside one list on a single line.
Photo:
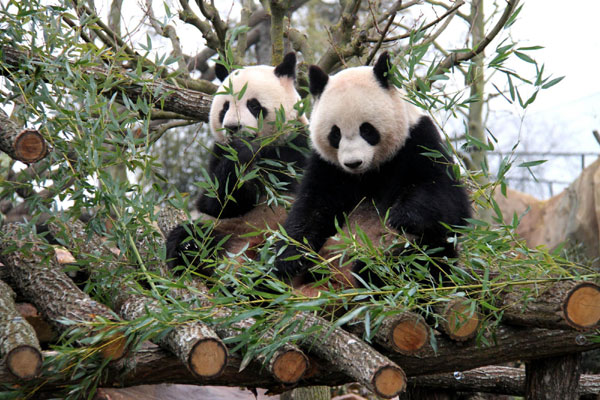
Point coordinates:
[(246, 97), (368, 150)]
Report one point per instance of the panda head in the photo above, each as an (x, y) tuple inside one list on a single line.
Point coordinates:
[(265, 90), (359, 119)]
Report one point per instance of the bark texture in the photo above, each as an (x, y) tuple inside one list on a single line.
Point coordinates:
[(163, 95), (494, 379), (40, 280), (505, 344), (19, 346), (195, 344), (352, 356), (553, 378), (563, 305)]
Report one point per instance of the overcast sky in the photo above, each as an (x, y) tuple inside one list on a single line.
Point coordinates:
[(563, 117)]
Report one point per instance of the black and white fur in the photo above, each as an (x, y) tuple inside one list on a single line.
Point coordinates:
[(368, 146), (234, 121)]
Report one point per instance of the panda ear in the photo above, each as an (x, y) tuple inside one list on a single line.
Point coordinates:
[(317, 80), (221, 71), (287, 67), (381, 69)]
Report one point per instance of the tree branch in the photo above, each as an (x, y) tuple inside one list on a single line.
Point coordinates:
[(457, 58)]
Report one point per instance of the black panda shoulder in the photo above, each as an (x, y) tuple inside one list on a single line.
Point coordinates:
[(423, 136)]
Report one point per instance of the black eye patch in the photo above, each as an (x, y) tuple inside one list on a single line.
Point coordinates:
[(370, 133), (223, 111), (334, 137), (256, 108)]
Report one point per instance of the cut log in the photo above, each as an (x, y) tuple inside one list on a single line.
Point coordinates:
[(43, 330), (287, 365), (19, 346), (562, 305), (504, 344), (197, 346), (41, 281), (494, 379), (458, 319), (352, 356), (404, 332), (556, 376), (27, 145)]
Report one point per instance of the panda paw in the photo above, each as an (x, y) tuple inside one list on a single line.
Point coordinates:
[(177, 245), (290, 263)]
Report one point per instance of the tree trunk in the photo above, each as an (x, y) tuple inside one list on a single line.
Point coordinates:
[(555, 378)]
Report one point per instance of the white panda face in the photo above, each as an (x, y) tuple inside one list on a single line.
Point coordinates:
[(264, 92), (358, 123)]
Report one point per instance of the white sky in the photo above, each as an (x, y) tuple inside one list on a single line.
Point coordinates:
[(562, 118)]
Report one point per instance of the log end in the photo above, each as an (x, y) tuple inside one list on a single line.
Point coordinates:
[(389, 381), (409, 335), (24, 362), (289, 366), (460, 323), (208, 358), (582, 306), (30, 146), (115, 347)]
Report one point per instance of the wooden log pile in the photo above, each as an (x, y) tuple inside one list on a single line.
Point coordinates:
[(193, 352)]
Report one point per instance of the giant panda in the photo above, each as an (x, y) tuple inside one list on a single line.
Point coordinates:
[(369, 159), (241, 117)]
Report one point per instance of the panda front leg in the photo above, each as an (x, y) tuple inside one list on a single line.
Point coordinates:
[(229, 199), (324, 195), (193, 244)]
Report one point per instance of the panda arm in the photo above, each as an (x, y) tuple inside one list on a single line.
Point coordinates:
[(430, 195), (223, 170), (292, 151), (421, 208), (325, 194)]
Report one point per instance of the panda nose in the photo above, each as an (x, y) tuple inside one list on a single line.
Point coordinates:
[(233, 128), (353, 164)]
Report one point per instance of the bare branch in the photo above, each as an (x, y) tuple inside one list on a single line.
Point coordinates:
[(169, 32), (343, 34), (381, 39), (189, 17), (456, 58), (450, 13), (466, 17)]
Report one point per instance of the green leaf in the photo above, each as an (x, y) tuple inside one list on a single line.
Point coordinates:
[(552, 82), (531, 163), (525, 57)]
